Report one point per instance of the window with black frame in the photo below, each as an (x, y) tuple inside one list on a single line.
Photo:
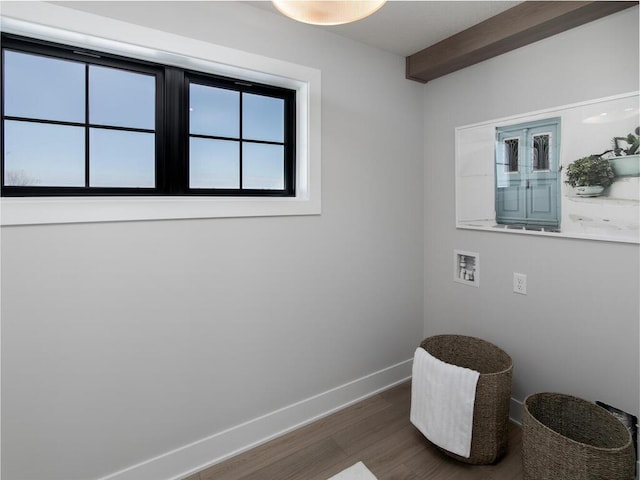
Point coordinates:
[(237, 137), (78, 122)]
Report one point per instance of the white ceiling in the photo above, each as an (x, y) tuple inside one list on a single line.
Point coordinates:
[(406, 27)]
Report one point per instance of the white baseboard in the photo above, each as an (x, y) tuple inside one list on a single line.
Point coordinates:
[(197, 456), (515, 411)]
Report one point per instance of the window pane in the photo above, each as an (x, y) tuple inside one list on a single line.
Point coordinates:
[(121, 98), (43, 155), (121, 159), (43, 88), (214, 111), (541, 152), (214, 163), (262, 118), (511, 154), (263, 166)]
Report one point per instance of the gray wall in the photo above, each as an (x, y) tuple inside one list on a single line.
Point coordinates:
[(123, 341), (577, 329)]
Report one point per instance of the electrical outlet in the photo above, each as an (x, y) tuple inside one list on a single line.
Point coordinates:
[(520, 283)]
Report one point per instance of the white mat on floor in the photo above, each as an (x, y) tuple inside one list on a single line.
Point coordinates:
[(355, 472)]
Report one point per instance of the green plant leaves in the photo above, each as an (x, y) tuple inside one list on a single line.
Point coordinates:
[(591, 170)]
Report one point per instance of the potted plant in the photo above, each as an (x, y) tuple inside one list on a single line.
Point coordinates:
[(624, 157), (590, 175)]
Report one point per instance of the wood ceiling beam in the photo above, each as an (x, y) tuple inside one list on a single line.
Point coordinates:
[(521, 25)]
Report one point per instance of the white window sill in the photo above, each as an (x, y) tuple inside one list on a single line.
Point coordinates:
[(40, 211)]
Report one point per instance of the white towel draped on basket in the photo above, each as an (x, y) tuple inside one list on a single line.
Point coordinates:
[(442, 400)]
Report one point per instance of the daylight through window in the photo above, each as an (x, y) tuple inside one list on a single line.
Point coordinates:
[(78, 122)]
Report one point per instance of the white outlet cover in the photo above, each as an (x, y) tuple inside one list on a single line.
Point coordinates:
[(520, 283)]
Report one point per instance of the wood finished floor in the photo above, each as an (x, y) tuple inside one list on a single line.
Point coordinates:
[(375, 431)]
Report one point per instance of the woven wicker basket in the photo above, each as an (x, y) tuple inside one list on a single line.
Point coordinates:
[(564, 437), (493, 391)]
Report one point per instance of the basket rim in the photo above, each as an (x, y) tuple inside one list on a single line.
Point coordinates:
[(501, 372), (570, 440)]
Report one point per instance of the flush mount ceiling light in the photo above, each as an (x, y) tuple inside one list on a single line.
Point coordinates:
[(327, 12)]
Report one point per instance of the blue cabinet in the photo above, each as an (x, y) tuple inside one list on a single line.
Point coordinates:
[(527, 174)]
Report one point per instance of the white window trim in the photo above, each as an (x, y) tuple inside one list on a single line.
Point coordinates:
[(63, 25)]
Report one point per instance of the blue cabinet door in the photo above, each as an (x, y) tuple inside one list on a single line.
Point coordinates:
[(527, 180)]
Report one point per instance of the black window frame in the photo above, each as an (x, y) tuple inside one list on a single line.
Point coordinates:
[(172, 125)]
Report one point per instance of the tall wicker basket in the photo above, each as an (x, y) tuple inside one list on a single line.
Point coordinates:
[(565, 437), (493, 391)]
